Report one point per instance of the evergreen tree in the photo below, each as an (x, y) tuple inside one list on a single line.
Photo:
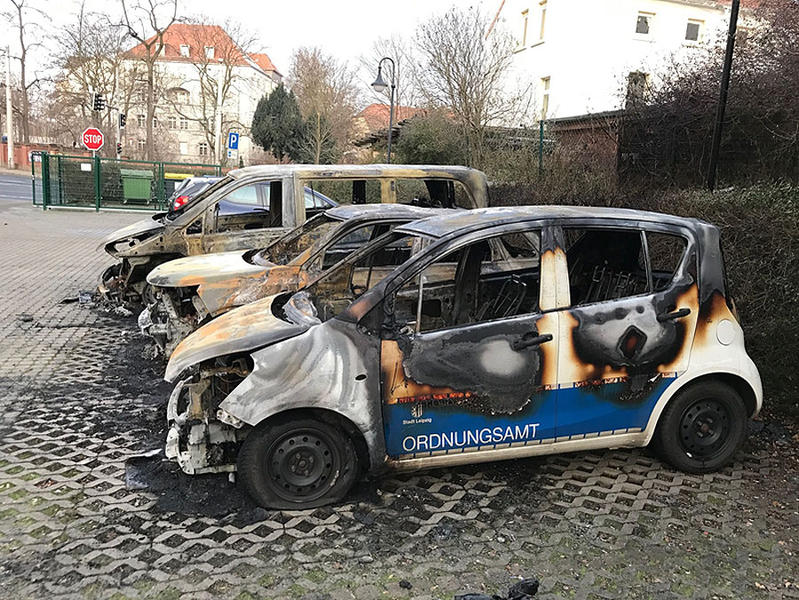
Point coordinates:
[(277, 125)]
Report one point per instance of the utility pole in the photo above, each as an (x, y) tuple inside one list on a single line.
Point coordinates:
[(9, 124), (722, 105)]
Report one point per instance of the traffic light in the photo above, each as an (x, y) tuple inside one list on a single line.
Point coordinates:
[(98, 102), (119, 148), (123, 118)]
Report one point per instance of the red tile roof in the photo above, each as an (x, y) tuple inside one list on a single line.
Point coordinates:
[(198, 38), (376, 115), (263, 61)]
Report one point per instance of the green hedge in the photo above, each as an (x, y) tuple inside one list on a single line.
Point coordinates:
[(760, 238)]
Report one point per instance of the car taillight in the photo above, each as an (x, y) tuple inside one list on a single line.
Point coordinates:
[(179, 201)]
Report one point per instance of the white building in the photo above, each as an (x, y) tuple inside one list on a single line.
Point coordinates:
[(187, 123), (584, 55)]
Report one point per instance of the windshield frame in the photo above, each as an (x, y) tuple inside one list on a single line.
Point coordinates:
[(265, 253)]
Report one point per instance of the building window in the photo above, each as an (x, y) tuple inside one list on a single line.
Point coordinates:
[(542, 24), (141, 144), (184, 148), (155, 122), (209, 52), (179, 95), (184, 50), (525, 14), (172, 122), (693, 30), (184, 123), (643, 26), (544, 97), (203, 149), (141, 120)]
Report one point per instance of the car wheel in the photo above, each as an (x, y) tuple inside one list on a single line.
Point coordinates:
[(702, 428), (297, 463)]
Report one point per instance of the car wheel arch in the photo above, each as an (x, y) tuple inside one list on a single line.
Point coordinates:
[(734, 380), (324, 414)]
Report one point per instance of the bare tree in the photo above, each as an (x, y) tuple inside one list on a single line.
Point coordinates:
[(90, 58), (18, 17), (327, 95), (147, 21), (217, 54), (463, 70)]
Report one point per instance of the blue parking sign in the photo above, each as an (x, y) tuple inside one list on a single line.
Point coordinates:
[(233, 140)]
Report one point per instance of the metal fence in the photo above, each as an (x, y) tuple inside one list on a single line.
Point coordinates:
[(94, 182)]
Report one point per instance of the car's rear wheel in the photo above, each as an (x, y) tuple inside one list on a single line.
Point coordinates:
[(702, 428), (297, 463)]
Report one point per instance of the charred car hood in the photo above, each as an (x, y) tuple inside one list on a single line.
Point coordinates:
[(149, 226), (240, 330), (205, 268)]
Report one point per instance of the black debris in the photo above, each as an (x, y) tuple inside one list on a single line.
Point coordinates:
[(522, 590)]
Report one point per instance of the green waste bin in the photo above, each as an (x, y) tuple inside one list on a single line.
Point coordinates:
[(136, 185)]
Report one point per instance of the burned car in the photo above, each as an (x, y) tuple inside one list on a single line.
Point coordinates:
[(191, 291), (273, 199), (511, 332)]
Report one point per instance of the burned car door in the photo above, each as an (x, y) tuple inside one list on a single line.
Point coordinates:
[(468, 355), (629, 328), (247, 216)]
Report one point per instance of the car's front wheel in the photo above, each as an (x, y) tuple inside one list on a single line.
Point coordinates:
[(297, 463), (702, 428)]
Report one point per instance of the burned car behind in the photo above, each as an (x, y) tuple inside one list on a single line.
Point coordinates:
[(190, 291), (506, 333), (273, 199)]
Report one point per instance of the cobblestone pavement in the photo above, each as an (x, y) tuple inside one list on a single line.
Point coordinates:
[(79, 517)]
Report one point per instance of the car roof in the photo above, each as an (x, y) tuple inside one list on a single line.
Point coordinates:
[(439, 226), (209, 179), (357, 171), (367, 212)]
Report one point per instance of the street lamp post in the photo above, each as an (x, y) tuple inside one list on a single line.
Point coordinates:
[(380, 86), (723, 91)]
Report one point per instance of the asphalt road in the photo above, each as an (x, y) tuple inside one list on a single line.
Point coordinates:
[(15, 187)]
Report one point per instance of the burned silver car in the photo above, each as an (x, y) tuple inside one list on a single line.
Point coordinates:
[(512, 332), (190, 291), (272, 200)]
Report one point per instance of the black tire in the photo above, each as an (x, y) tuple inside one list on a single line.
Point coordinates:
[(297, 462), (702, 428)]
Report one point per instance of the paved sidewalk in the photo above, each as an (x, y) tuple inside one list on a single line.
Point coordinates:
[(80, 519)]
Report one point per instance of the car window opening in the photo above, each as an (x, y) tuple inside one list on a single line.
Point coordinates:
[(481, 282), (610, 264)]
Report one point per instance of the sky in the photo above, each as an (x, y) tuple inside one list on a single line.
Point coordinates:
[(346, 29)]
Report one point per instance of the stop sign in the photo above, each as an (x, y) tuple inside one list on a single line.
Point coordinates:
[(92, 138)]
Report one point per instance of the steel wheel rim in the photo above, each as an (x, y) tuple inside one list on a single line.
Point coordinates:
[(301, 464), (704, 428)]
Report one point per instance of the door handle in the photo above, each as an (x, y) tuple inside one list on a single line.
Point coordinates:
[(673, 316), (525, 342)]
